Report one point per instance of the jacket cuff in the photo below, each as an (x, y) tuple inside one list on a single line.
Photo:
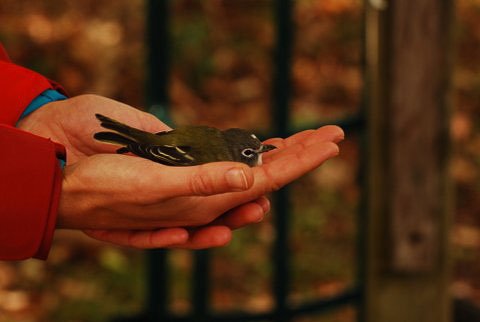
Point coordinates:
[(46, 242), (19, 87), (30, 172)]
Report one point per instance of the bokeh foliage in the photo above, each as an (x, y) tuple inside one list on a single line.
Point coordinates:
[(221, 71)]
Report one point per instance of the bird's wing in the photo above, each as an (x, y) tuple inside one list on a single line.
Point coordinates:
[(165, 154), (144, 144), (123, 129)]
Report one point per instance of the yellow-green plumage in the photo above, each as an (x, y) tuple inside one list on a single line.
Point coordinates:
[(184, 146), (212, 146)]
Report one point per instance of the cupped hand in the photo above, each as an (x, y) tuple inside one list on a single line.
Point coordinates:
[(124, 199), (71, 122), (130, 197)]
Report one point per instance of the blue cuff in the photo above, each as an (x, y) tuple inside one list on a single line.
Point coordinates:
[(50, 95)]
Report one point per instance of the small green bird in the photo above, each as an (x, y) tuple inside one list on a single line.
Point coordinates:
[(185, 146)]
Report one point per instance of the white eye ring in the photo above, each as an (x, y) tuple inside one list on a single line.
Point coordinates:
[(248, 153)]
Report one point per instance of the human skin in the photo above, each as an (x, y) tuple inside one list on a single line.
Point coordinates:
[(135, 202)]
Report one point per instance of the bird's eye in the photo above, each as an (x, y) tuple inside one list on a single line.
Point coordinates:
[(248, 153)]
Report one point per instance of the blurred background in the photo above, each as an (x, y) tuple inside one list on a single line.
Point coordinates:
[(221, 75)]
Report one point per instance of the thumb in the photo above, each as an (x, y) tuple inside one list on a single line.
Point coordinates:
[(208, 179)]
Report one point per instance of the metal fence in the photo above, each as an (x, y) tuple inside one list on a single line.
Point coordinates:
[(158, 286)]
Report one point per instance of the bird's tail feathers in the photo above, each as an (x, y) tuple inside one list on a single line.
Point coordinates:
[(121, 128), (113, 138)]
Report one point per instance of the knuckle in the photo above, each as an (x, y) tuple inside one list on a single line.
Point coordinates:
[(274, 185), (202, 184)]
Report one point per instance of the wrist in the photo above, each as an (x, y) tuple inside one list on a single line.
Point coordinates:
[(43, 122), (47, 96)]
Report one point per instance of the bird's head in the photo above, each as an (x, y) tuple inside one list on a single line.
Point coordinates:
[(246, 147)]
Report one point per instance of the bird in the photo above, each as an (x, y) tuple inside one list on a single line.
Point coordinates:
[(185, 145)]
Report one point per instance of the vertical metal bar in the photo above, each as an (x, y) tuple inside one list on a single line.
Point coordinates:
[(157, 288), (158, 58), (361, 223), (201, 286), (280, 108), (362, 176), (282, 60), (157, 100)]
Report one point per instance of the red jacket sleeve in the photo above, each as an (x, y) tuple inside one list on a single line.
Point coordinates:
[(30, 176)]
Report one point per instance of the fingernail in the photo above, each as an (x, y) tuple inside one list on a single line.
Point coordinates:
[(262, 215), (237, 179), (265, 204), (340, 137), (335, 149)]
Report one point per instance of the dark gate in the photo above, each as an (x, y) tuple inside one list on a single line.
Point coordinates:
[(157, 304)]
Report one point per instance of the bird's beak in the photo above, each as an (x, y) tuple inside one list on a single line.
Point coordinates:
[(267, 147)]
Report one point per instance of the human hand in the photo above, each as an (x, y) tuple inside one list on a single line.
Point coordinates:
[(181, 196), (71, 123)]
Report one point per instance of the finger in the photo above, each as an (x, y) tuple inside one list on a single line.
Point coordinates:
[(301, 142), (141, 238), (204, 180), (207, 237), (331, 133), (281, 143), (294, 162), (245, 214), (327, 133)]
